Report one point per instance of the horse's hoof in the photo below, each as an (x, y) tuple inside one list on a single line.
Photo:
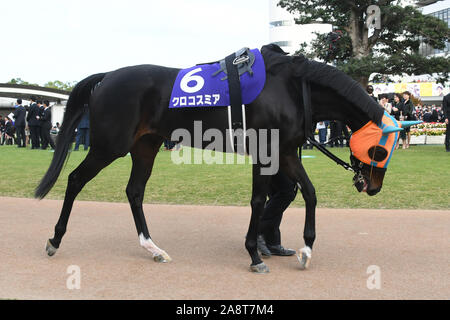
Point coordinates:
[(259, 268), (162, 258), (304, 257), (51, 250)]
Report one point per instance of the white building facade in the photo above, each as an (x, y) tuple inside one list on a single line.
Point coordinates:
[(284, 32)]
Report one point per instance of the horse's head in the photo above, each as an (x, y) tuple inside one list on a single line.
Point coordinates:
[(371, 150)]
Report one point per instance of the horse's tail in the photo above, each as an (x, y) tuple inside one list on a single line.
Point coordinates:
[(72, 117)]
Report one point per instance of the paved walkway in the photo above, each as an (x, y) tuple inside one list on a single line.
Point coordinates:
[(411, 250)]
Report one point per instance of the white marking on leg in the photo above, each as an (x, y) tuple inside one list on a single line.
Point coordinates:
[(304, 257), (153, 248)]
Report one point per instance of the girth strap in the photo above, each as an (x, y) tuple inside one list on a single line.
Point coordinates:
[(236, 110)]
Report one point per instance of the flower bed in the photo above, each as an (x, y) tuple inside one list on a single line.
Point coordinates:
[(428, 129)]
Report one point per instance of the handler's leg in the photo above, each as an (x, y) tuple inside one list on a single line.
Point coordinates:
[(143, 154), (295, 170), (282, 192)]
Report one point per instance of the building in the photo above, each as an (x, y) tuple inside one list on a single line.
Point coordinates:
[(439, 9), (10, 92), (284, 32)]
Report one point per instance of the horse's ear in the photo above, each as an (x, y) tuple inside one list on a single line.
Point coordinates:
[(390, 129), (299, 65)]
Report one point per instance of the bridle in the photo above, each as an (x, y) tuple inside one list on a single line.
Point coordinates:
[(356, 165)]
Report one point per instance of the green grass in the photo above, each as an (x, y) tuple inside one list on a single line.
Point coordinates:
[(417, 178)]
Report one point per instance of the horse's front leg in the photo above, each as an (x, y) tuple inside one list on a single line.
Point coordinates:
[(260, 187), (296, 171)]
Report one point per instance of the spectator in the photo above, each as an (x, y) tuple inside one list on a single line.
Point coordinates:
[(384, 102), (322, 128), (427, 115), (2, 130), (19, 117), (369, 90), (9, 132), (33, 124), (408, 109), (396, 106), (446, 109), (83, 132), (46, 125), (434, 115)]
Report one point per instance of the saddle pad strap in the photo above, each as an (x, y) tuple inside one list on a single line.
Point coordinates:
[(234, 86)]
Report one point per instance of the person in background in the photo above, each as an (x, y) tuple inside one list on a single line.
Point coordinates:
[(446, 110), (384, 102), (408, 109), (434, 115), (322, 128), (19, 118), (333, 134), (369, 90), (2, 129), (9, 131), (46, 125), (41, 113), (83, 131), (396, 106), (427, 115), (33, 124)]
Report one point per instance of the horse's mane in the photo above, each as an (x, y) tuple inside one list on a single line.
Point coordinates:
[(325, 75)]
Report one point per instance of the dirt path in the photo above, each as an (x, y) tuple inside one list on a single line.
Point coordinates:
[(410, 248)]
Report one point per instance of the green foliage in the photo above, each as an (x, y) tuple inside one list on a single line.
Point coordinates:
[(67, 86), (20, 81), (57, 84), (393, 49)]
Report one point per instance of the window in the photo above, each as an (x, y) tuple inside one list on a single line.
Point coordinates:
[(281, 23)]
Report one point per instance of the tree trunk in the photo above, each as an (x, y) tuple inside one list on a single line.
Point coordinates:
[(363, 80)]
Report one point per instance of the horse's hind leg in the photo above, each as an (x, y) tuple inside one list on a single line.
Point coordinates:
[(78, 178), (143, 154), (259, 194)]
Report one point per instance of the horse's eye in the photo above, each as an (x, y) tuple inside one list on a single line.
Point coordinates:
[(377, 153)]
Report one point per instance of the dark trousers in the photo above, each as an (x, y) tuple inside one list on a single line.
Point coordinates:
[(82, 135), (333, 133), (35, 135), (447, 137), (342, 133), (323, 135), (282, 192), (46, 139), (21, 138)]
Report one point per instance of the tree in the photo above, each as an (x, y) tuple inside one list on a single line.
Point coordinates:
[(20, 81), (67, 86), (57, 84), (393, 49)]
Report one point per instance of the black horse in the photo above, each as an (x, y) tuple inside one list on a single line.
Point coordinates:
[(138, 96)]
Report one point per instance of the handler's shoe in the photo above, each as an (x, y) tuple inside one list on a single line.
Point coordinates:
[(262, 247), (279, 250)]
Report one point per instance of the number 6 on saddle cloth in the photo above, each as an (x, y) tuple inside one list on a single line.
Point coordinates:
[(232, 82)]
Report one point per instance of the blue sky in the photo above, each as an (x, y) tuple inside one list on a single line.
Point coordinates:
[(68, 40)]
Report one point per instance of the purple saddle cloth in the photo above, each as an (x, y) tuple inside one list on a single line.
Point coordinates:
[(206, 85)]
